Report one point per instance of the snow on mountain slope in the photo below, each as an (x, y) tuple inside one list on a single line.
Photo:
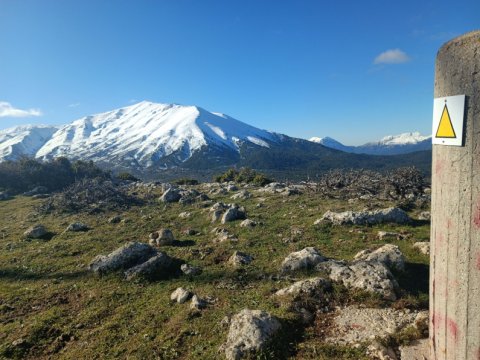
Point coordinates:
[(146, 132), (23, 140), (331, 143), (389, 145)]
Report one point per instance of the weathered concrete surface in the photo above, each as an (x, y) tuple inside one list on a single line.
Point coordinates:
[(455, 231)]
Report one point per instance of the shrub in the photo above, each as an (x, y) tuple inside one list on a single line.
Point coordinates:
[(186, 181), (126, 176), (26, 173), (245, 175)]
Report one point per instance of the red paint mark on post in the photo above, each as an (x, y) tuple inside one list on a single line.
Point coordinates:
[(438, 167), (477, 262), (452, 328), (476, 216)]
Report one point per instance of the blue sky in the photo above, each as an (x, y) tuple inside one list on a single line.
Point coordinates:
[(352, 70)]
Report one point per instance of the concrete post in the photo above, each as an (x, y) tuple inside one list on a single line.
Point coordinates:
[(455, 232)]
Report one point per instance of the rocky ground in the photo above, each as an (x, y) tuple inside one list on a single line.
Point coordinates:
[(215, 271)]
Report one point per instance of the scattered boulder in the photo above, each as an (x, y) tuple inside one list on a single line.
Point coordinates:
[(387, 235), (77, 226), (389, 215), (197, 303), (35, 232), (125, 257), (303, 259), (423, 247), (250, 331), (424, 215), (190, 270), (310, 287), (369, 276), (184, 215), (180, 295), (354, 325), (222, 234), (162, 237), (171, 195), (248, 223), (234, 212), (153, 268), (242, 195), (388, 254), (239, 258)]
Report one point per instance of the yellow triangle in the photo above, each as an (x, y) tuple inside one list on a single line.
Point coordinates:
[(445, 128)]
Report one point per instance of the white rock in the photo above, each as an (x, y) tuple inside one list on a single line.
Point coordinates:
[(180, 295), (310, 287), (303, 259), (249, 331), (388, 254), (423, 247)]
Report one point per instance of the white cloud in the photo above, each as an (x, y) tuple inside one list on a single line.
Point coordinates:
[(73, 105), (7, 110), (393, 56)]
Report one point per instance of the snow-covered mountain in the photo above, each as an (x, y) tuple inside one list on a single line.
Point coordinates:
[(24, 140), (143, 134), (389, 145)]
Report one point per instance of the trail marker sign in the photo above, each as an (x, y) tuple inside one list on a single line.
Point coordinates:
[(448, 116)]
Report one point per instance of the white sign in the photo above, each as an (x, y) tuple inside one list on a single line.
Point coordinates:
[(448, 116)]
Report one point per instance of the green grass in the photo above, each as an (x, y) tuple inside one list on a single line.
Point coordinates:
[(60, 310)]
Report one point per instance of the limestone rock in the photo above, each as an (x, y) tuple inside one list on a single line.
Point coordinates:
[(185, 215), (242, 195), (162, 237), (355, 325), (239, 258), (76, 227), (171, 195), (303, 259), (365, 275), (249, 332), (197, 303), (424, 215), (309, 287), (157, 266), (180, 295), (190, 270), (35, 232), (423, 247), (127, 256), (389, 215), (222, 235), (388, 254), (233, 213), (248, 223)]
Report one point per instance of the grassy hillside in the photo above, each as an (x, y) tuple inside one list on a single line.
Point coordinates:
[(52, 307)]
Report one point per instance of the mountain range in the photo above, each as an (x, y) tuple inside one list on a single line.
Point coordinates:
[(152, 138), (389, 145)]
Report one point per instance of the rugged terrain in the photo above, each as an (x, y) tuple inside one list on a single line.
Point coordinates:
[(53, 305)]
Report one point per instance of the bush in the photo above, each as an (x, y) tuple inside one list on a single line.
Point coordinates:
[(186, 181), (26, 173), (126, 176), (244, 175)]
